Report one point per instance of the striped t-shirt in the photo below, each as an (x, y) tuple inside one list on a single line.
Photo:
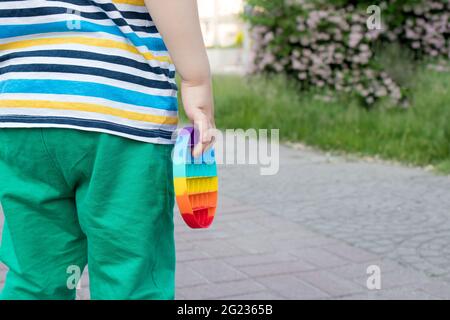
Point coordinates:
[(97, 65)]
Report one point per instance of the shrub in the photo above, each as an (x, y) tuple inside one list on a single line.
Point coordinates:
[(327, 44), (425, 28)]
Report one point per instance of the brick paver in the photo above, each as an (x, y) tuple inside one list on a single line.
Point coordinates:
[(311, 231)]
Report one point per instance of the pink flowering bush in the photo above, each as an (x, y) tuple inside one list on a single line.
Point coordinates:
[(327, 44), (426, 28)]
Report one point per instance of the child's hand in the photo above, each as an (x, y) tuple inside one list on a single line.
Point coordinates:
[(178, 23), (198, 104)]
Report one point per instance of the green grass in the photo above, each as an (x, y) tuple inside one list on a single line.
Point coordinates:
[(419, 135)]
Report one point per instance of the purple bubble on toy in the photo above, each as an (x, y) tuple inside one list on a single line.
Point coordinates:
[(194, 135)]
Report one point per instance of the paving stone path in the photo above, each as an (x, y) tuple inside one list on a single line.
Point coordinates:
[(311, 231)]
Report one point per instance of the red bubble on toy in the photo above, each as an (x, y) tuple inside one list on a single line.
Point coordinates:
[(195, 181)]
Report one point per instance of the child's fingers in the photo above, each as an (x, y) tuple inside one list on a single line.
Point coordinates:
[(205, 137), (206, 144), (202, 145)]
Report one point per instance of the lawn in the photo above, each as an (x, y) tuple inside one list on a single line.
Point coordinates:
[(418, 135)]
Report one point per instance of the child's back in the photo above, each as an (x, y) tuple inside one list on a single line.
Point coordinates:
[(91, 65)]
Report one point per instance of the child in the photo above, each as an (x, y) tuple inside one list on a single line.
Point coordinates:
[(87, 109)]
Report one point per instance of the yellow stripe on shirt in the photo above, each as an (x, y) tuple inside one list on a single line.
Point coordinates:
[(132, 2), (84, 41), (88, 107)]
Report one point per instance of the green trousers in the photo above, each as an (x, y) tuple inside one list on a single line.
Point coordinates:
[(73, 198)]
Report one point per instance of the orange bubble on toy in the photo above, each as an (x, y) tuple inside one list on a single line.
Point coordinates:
[(195, 181)]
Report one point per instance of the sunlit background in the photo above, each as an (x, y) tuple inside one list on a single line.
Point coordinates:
[(225, 34)]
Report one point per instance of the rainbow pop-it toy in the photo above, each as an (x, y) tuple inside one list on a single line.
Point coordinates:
[(195, 181)]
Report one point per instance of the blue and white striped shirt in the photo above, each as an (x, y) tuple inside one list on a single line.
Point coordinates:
[(97, 65)]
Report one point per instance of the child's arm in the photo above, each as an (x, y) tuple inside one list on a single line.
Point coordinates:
[(179, 25)]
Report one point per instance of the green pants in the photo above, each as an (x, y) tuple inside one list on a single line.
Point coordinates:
[(73, 198)]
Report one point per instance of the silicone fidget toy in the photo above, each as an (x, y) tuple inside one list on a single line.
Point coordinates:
[(195, 181)]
